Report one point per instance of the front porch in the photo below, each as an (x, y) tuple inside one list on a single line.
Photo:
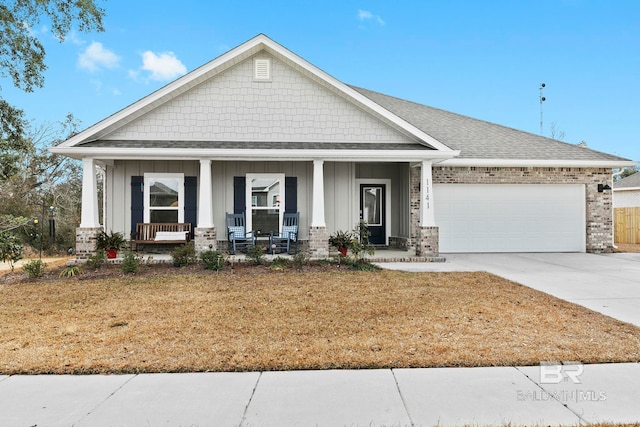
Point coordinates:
[(397, 197)]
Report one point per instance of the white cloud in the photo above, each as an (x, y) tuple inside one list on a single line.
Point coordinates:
[(95, 56), (163, 67), (73, 37), (365, 15)]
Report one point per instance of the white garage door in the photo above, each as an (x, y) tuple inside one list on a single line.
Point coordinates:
[(510, 218)]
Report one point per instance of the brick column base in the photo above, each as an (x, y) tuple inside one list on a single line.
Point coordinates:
[(203, 237), (427, 242), (86, 242), (318, 243)]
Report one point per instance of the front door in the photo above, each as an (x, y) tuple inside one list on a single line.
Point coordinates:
[(372, 211)]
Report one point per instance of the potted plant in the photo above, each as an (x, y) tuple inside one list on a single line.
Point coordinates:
[(111, 243), (342, 240)]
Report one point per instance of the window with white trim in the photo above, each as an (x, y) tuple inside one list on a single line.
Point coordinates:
[(164, 197), (265, 202)]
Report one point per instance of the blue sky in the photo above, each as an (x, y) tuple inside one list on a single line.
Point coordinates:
[(484, 59)]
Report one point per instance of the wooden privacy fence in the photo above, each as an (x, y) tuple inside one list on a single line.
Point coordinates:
[(627, 225)]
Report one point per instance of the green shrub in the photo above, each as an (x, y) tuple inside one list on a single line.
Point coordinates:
[(10, 248), (213, 260), (300, 260), (113, 240), (341, 240), (70, 271), (34, 268), (256, 255), (361, 265), (280, 263), (98, 259), (184, 255), (130, 262), (360, 244)]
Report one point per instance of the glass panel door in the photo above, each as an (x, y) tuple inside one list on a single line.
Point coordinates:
[(266, 202), (372, 205)]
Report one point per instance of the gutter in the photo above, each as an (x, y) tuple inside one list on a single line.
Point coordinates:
[(256, 155)]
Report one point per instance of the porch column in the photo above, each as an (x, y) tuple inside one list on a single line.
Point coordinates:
[(427, 244), (89, 221), (89, 215), (427, 216), (205, 205), (205, 236), (318, 234), (317, 218)]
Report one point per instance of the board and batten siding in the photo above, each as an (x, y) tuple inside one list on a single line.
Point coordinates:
[(118, 187), (341, 194)]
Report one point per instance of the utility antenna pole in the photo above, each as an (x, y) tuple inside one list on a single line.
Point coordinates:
[(542, 99)]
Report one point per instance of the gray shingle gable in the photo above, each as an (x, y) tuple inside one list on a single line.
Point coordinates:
[(478, 139), (631, 181)]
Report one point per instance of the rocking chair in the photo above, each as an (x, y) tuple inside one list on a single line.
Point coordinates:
[(287, 240), (238, 237)]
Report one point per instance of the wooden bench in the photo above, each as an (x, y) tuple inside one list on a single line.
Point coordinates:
[(161, 233)]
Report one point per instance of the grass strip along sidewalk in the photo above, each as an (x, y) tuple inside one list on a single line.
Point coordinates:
[(284, 321)]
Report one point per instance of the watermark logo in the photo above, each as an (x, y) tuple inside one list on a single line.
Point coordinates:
[(567, 373), (556, 372)]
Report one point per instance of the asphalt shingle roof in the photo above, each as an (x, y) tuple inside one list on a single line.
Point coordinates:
[(478, 139), (629, 182)]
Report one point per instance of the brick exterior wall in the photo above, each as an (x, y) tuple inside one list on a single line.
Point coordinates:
[(203, 237), (599, 208), (318, 242), (86, 242), (428, 244)]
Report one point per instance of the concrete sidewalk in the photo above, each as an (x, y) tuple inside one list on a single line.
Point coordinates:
[(398, 397)]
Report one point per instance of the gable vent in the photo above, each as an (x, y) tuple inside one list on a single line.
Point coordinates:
[(262, 69)]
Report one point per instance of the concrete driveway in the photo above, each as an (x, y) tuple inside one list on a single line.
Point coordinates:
[(607, 283)]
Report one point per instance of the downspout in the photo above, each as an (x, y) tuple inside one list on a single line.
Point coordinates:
[(613, 218)]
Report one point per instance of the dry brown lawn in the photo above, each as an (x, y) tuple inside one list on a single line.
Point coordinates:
[(279, 321)]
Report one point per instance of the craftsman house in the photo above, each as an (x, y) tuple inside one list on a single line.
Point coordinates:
[(261, 131)]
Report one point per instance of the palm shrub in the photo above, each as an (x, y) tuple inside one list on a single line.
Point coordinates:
[(70, 271), (341, 240)]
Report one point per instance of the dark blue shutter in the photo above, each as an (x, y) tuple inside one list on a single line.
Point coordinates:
[(137, 201), (239, 194), (191, 201), (291, 194)]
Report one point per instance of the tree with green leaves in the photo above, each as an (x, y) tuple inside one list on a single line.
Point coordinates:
[(22, 58), (626, 172)]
